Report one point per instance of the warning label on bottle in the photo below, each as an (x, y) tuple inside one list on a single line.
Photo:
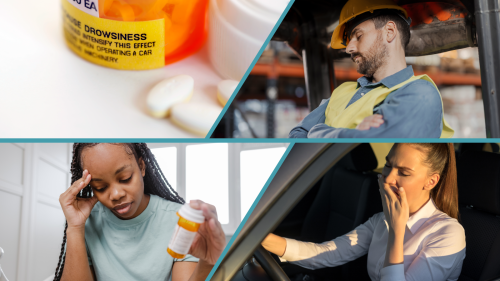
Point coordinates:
[(116, 44), (181, 240)]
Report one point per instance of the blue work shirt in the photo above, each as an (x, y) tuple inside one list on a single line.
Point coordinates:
[(412, 111)]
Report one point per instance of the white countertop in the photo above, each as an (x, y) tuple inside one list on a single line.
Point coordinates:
[(47, 91)]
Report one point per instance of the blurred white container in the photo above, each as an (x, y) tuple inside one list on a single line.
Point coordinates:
[(466, 119), (458, 94), (454, 123), (237, 31), (430, 60)]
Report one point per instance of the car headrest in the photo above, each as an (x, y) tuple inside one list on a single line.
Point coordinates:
[(361, 159), (478, 175)]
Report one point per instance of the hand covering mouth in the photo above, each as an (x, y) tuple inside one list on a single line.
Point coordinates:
[(395, 189)]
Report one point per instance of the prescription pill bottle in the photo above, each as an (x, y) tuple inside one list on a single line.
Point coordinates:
[(189, 222), (135, 34)]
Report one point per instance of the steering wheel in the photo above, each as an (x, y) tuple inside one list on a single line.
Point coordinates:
[(269, 264)]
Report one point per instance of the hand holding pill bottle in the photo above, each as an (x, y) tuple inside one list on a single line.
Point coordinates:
[(185, 231)]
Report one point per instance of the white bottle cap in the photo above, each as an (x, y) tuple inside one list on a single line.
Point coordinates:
[(191, 214), (238, 29)]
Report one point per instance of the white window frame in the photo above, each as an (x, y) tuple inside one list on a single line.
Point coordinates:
[(234, 194)]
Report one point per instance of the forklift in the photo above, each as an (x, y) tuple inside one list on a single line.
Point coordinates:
[(437, 27)]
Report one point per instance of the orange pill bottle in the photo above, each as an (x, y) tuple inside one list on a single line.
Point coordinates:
[(185, 231), (133, 34)]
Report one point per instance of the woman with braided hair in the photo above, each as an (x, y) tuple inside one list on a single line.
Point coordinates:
[(120, 214)]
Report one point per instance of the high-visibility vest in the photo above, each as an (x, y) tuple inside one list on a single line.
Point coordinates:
[(338, 116)]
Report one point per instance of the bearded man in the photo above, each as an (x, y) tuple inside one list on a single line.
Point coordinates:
[(388, 101)]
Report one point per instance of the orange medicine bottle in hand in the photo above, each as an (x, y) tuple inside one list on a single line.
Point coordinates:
[(185, 231)]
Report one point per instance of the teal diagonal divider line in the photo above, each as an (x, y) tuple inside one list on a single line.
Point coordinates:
[(249, 69), (249, 212)]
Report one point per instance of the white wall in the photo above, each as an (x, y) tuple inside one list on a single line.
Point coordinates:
[(234, 176), (32, 176)]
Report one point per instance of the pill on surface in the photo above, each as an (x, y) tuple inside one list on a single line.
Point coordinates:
[(168, 93), (225, 89), (196, 118)]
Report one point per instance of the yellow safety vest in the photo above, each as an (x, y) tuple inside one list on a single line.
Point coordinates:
[(338, 116)]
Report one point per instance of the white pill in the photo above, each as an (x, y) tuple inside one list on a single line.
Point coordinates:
[(169, 92), (225, 90), (196, 118)]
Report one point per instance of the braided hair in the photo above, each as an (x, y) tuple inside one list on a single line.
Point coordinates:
[(154, 183)]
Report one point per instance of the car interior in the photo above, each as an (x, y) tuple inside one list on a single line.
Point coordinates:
[(330, 209)]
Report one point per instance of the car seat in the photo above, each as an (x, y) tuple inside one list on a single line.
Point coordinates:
[(479, 198), (347, 197), (476, 147)]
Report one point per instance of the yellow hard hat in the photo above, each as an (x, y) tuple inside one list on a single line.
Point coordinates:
[(354, 8)]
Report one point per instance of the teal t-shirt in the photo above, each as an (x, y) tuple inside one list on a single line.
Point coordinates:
[(134, 249)]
